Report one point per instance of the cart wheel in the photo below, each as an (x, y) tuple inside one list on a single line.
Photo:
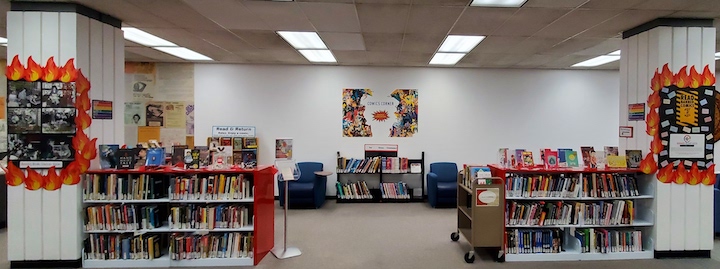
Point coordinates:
[(500, 257), (469, 257), (455, 236)]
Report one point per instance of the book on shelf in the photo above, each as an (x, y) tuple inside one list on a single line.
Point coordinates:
[(517, 161), (503, 160), (527, 159), (122, 217), (209, 216), (634, 157), (178, 155), (534, 241), (394, 165), (600, 159), (204, 157), (222, 157), (155, 157), (358, 166), (609, 185), (226, 142), (571, 158), (211, 246), (605, 213), (588, 157), (563, 157), (611, 151), (250, 143), (397, 190), (353, 190), (237, 143), (108, 156), (208, 187), (543, 158), (122, 247), (123, 187), (601, 240), (616, 161), (415, 168), (542, 186), (551, 159), (125, 158)]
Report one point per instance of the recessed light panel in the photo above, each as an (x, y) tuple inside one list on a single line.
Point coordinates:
[(184, 53), (318, 56), (597, 61), (144, 38), (442, 58), (497, 3), (460, 43), (303, 40)]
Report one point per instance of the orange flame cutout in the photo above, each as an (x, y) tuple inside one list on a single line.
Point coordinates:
[(709, 176), (653, 100), (665, 175), (79, 141), (83, 102), (33, 71), (83, 165), (682, 80), (381, 115), (648, 165), (15, 70), (652, 120), (655, 83), (708, 78), (51, 71), (33, 181), (82, 120), (68, 72), (681, 174), (82, 85), (14, 175), (52, 180), (695, 78), (89, 152), (70, 175), (656, 145), (695, 175), (666, 77)]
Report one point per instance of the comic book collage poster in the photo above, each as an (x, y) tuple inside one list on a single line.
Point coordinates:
[(391, 114)]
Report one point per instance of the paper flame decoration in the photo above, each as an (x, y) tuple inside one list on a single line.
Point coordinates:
[(84, 147), (648, 165)]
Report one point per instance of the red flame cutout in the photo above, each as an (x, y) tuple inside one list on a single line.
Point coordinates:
[(14, 176), (695, 176), (82, 85), (83, 101), (52, 180), (68, 72), (648, 165), (82, 120), (709, 176), (71, 174), (33, 71), (708, 78), (665, 175), (655, 82), (33, 181), (652, 120), (666, 77), (695, 78), (682, 80), (15, 71), (681, 174), (653, 100), (51, 71), (656, 145)]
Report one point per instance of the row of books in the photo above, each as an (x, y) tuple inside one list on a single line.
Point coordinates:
[(593, 185), (571, 213), (609, 185), (210, 246), (534, 241), (565, 157), (209, 217), (353, 190), (125, 187), (598, 240), (397, 190), (213, 187), (389, 165), (122, 247), (121, 217)]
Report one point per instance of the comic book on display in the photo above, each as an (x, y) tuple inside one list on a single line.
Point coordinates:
[(204, 156), (108, 159), (588, 157), (178, 155), (155, 156), (125, 158), (633, 158)]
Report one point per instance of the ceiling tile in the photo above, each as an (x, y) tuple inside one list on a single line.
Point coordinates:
[(535, 60), (332, 17), (604, 47), (382, 57), (176, 12), (262, 39), (343, 41), (481, 59), (527, 21), (350, 57), (573, 45), (432, 19), (223, 39), (481, 21), (387, 2), (134, 57), (280, 15), (576, 22), (497, 44), (695, 14), (534, 45), (669, 4), (554, 3), (154, 54), (427, 43), (442, 2), (229, 14), (376, 18), (272, 56), (383, 42), (326, 1), (566, 61), (704, 5), (128, 13), (611, 4), (408, 57), (625, 21), (512, 59)]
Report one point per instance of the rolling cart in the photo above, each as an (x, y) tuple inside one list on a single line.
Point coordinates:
[(481, 216)]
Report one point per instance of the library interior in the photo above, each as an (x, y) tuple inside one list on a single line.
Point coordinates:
[(287, 134)]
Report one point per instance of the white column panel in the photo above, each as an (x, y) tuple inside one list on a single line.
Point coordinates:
[(705, 209), (623, 142), (15, 195), (677, 206), (82, 60), (96, 80), (692, 193), (70, 206), (50, 199), (643, 89), (663, 192), (119, 98), (638, 126), (108, 80), (33, 199), (652, 66)]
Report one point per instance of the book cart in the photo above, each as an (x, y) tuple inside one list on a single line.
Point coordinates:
[(380, 185), (575, 214), (156, 197), (480, 215)]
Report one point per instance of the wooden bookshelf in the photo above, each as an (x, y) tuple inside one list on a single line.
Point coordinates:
[(259, 204), (571, 248), (375, 179)]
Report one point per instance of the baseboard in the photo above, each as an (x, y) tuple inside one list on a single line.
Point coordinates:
[(47, 264), (660, 254)]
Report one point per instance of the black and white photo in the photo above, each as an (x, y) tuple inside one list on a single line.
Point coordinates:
[(23, 94), (58, 94), (58, 120), (23, 120), (24, 147), (57, 147)]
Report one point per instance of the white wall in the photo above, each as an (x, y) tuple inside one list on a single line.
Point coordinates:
[(464, 115)]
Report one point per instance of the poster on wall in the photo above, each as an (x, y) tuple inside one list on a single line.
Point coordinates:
[(134, 114), (636, 112), (102, 110), (174, 114), (386, 114), (189, 119), (154, 114), (140, 81), (283, 148)]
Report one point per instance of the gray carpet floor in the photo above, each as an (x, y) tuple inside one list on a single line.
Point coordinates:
[(399, 236)]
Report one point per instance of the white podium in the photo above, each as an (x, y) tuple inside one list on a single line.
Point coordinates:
[(289, 171)]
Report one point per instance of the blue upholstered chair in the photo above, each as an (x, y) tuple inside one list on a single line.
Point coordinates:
[(716, 214), (442, 184), (308, 191)]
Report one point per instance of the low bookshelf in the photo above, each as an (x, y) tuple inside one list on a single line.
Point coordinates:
[(177, 218), (571, 214), (380, 177)]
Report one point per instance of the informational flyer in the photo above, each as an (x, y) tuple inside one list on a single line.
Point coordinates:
[(174, 114), (687, 146), (134, 114)]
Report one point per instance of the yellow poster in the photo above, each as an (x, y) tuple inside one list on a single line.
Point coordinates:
[(687, 108), (2, 107), (147, 133), (174, 114)]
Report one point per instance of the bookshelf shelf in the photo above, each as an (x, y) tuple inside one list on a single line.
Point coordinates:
[(577, 256), (636, 223), (465, 188), (466, 212), (257, 183), (373, 177), (580, 198)]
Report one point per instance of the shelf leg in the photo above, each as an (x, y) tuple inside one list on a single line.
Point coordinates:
[(285, 252)]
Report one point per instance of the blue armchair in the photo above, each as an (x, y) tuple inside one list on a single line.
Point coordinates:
[(716, 214), (308, 191), (442, 184)]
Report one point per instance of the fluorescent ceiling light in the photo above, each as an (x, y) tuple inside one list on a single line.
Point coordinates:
[(600, 60), (144, 38), (460, 43), (318, 56), (497, 3), (303, 40), (183, 53), (442, 58), (614, 53)]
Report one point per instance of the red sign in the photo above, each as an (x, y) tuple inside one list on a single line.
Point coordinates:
[(487, 197)]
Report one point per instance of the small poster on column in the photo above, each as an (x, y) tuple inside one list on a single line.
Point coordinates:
[(283, 148)]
